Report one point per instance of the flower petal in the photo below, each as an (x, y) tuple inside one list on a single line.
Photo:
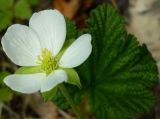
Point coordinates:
[(55, 78), (25, 83), (77, 53), (51, 28), (21, 45)]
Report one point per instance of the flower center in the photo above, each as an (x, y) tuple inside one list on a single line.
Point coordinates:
[(48, 61)]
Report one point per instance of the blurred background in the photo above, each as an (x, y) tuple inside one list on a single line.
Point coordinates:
[(142, 19)]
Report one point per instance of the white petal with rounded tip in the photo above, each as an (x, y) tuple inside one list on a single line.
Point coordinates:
[(21, 45), (51, 28), (55, 78), (25, 83), (77, 53)]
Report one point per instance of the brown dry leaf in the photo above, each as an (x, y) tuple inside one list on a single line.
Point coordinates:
[(68, 7), (46, 110)]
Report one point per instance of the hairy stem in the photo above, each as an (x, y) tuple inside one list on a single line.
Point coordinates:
[(70, 101)]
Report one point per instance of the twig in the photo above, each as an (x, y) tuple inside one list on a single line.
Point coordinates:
[(64, 114), (114, 3), (7, 108)]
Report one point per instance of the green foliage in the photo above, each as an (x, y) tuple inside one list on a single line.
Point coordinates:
[(5, 93), (5, 19), (15, 9), (60, 100), (75, 93), (50, 94), (6, 4), (72, 32), (22, 9), (33, 2), (118, 76)]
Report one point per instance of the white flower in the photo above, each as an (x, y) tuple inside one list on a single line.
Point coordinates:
[(38, 45)]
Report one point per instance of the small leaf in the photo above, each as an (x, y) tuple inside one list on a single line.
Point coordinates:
[(6, 4), (50, 94), (22, 9), (3, 75), (29, 70), (5, 19), (73, 77), (5, 94)]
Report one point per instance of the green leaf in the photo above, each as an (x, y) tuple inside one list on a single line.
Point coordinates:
[(118, 76), (119, 73), (3, 75), (22, 9), (73, 77), (5, 94), (6, 4), (50, 94), (29, 70), (5, 19)]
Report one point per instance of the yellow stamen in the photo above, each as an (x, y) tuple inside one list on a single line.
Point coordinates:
[(48, 61)]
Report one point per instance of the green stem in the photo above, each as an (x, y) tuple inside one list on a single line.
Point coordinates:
[(69, 99)]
